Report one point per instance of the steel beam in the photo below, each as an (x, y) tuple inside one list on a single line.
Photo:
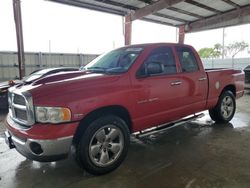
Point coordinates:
[(170, 17), (186, 12), (230, 18), (177, 10), (235, 5), (19, 36), (158, 22), (200, 5), (78, 3), (133, 8), (153, 8)]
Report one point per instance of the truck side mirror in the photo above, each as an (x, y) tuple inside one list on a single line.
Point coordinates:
[(154, 68)]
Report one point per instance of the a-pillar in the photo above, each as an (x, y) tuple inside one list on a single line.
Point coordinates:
[(181, 35), (127, 30)]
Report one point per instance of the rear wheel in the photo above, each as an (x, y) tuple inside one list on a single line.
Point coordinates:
[(224, 111), (103, 145)]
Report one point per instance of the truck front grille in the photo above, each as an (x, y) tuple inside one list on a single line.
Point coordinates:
[(21, 108), (21, 114), (18, 99)]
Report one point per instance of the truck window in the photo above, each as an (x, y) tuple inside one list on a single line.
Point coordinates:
[(116, 61), (163, 55), (187, 59)]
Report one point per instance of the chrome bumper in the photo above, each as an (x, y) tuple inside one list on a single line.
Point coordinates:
[(41, 150)]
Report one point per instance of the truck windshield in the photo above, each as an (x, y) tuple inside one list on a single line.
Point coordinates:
[(116, 61)]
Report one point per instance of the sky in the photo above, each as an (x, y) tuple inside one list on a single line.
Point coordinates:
[(53, 27)]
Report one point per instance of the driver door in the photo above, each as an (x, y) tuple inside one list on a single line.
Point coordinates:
[(157, 97)]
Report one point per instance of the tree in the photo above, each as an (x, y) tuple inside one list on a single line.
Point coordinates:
[(217, 50), (236, 47), (205, 52), (211, 52)]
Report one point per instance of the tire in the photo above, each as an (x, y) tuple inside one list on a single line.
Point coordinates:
[(103, 145), (225, 108)]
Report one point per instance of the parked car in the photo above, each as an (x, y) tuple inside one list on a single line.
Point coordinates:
[(3, 95), (125, 91), (4, 86), (247, 74)]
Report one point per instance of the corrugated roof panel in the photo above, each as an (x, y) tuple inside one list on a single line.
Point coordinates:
[(177, 15), (218, 5), (106, 5), (194, 9), (161, 19), (142, 5), (165, 16), (134, 3), (241, 2)]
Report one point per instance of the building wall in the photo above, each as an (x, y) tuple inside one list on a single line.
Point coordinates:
[(35, 61)]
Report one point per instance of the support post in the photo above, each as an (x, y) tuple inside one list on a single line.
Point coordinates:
[(40, 63), (127, 30), (181, 34), (81, 63), (19, 36), (223, 42)]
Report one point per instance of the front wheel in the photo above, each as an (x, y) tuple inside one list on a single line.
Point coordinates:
[(103, 145), (224, 111)]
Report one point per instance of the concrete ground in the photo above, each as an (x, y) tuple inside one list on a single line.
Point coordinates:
[(194, 155)]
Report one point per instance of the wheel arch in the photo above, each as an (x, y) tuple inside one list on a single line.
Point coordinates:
[(231, 88), (117, 110)]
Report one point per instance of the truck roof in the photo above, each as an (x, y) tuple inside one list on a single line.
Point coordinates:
[(158, 44)]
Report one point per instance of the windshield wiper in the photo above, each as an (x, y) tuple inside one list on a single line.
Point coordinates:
[(89, 68), (116, 70), (96, 69)]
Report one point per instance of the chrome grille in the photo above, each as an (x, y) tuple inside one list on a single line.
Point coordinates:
[(21, 114), (18, 99), (21, 108)]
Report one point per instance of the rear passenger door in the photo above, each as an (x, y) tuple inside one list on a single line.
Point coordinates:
[(193, 81)]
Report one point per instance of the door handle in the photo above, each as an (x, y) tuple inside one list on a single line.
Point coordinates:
[(174, 83), (202, 78)]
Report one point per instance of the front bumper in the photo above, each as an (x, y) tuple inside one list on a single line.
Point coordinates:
[(48, 150), (43, 150)]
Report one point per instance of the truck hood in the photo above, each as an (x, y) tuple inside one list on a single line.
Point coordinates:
[(58, 77), (63, 85)]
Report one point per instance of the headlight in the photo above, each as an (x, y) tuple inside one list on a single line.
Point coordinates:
[(52, 114)]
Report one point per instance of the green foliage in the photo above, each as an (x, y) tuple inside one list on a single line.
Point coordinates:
[(210, 52), (205, 52)]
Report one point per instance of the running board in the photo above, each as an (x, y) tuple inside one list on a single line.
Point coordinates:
[(167, 126)]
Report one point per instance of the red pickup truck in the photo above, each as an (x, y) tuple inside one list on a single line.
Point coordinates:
[(130, 89)]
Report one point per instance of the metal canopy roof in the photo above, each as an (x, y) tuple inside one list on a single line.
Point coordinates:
[(195, 15)]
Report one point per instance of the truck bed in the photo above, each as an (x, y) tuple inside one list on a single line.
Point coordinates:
[(219, 78)]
